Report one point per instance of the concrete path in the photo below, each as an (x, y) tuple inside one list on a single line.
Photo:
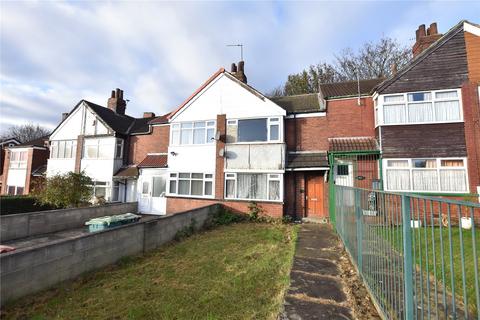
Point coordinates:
[(322, 284)]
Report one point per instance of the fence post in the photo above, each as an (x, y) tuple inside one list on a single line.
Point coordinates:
[(407, 258), (359, 223)]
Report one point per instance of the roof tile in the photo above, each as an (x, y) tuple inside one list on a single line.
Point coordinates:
[(154, 161), (352, 144)]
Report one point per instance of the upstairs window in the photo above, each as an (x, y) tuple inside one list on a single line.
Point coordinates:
[(254, 130), (188, 133), (119, 149), (98, 149), (422, 107), (63, 149), (18, 159)]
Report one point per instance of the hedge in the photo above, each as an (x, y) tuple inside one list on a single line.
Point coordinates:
[(21, 204)]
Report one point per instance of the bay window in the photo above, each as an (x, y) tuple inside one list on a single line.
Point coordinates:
[(421, 107), (99, 148), (63, 149), (18, 159), (254, 130), (188, 133), (191, 184), (426, 175), (253, 186)]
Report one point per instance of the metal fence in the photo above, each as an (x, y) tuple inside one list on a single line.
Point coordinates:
[(417, 255)]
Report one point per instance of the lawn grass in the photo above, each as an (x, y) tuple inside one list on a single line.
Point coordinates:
[(422, 240), (239, 271)]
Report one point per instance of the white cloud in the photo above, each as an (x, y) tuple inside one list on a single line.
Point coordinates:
[(55, 53)]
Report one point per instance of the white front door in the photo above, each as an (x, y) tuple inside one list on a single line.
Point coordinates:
[(158, 200), (144, 200)]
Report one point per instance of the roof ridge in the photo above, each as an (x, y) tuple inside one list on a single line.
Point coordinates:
[(350, 81)]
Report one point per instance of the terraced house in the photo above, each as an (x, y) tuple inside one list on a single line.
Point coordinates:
[(417, 131), (427, 115)]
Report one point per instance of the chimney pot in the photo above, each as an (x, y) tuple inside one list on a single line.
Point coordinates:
[(113, 94), (433, 28), (64, 115), (421, 31), (241, 66), (233, 68)]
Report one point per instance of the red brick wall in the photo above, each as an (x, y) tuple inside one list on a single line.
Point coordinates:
[(220, 161), (39, 158), (344, 119), (298, 206), (6, 164), (177, 204), (472, 44), (78, 154), (155, 142), (471, 115)]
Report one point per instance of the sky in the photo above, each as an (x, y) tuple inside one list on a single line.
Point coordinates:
[(55, 53)]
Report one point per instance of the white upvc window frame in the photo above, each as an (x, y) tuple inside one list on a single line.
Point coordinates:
[(105, 142), (438, 168), (270, 120), (118, 142), (232, 176), (18, 163), (177, 128), (55, 149), (380, 112), (208, 177)]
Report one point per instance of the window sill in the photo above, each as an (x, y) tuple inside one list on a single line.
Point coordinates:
[(253, 200), (189, 197), (417, 123), (254, 142)]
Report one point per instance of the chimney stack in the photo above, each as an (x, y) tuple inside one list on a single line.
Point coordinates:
[(148, 114), (116, 102), (64, 115), (425, 38), (239, 72)]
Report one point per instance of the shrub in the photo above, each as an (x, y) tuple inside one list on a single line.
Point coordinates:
[(254, 211), (68, 190), (224, 216), (21, 204)]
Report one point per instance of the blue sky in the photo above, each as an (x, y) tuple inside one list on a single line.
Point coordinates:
[(55, 53)]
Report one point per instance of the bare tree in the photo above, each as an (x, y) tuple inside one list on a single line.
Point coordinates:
[(372, 60), (25, 132)]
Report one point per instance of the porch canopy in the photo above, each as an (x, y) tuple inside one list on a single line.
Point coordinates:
[(126, 172), (351, 144), (304, 161), (154, 161)]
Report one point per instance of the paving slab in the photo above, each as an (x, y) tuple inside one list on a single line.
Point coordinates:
[(320, 285)]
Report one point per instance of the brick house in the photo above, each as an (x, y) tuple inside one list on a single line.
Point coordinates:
[(4, 144), (427, 115), (104, 143), (226, 145), (24, 164), (337, 119)]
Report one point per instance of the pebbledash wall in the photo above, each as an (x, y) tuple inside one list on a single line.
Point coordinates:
[(30, 270)]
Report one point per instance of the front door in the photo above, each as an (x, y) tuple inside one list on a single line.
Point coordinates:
[(158, 200), (144, 200), (314, 196)]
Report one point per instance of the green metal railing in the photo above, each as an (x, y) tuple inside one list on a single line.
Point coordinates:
[(417, 255)]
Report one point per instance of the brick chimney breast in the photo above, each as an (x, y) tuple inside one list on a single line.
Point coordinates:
[(116, 102), (425, 38), (148, 114), (239, 72)]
